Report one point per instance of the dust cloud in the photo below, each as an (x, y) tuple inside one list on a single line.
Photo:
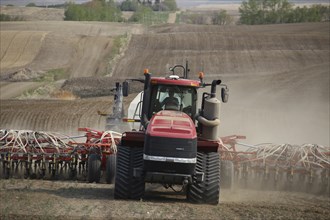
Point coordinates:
[(279, 108)]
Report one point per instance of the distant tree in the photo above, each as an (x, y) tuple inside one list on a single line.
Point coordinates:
[(74, 13), (264, 11), (325, 10), (275, 11), (96, 10), (280, 11), (221, 18), (249, 11), (170, 5), (31, 5), (4, 17), (319, 13), (195, 18), (141, 14), (129, 5)]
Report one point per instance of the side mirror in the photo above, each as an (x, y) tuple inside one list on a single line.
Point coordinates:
[(125, 88), (224, 95)]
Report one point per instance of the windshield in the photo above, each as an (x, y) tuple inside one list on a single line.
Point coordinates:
[(177, 98)]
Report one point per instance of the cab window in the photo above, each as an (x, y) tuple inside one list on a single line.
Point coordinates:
[(168, 97)]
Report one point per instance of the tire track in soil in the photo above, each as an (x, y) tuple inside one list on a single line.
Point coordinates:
[(4, 45), (20, 54), (33, 47), (14, 51), (22, 49)]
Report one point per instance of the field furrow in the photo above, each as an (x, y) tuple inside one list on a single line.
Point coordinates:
[(21, 49)]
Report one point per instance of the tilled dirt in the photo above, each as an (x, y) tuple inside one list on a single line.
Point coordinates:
[(233, 50), (72, 200), (80, 47), (278, 77), (77, 49)]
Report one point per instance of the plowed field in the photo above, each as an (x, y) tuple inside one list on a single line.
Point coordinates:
[(278, 76), (41, 45), (228, 50)]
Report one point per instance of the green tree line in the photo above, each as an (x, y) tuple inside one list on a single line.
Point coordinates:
[(4, 17), (96, 10), (216, 18), (101, 10), (146, 15), (166, 5), (280, 11)]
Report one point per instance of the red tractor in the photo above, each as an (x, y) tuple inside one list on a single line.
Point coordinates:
[(168, 148)]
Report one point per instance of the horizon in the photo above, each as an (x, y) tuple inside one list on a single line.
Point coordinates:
[(180, 3)]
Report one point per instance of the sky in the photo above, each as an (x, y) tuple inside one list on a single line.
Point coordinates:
[(180, 3)]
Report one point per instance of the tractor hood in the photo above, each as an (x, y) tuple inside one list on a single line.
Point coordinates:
[(171, 124)]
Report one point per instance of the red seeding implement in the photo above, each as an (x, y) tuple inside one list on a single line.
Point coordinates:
[(176, 143), (45, 155), (279, 167)]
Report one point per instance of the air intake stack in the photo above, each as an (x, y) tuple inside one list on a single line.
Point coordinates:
[(209, 117)]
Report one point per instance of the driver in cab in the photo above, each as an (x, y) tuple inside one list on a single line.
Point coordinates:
[(170, 102)]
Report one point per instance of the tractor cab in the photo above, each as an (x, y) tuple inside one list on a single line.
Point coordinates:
[(173, 93), (173, 97)]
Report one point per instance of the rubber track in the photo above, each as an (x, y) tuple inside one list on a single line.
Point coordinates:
[(208, 191), (126, 186)]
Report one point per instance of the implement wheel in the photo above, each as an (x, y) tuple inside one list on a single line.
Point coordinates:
[(94, 168), (208, 191), (126, 185), (111, 168)]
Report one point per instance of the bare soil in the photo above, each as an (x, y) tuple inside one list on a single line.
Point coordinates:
[(82, 47), (278, 77), (31, 199)]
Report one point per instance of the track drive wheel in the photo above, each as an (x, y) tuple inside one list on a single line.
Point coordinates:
[(227, 174), (94, 168), (208, 191), (126, 185), (111, 169)]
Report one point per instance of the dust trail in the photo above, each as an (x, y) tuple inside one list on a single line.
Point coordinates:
[(280, 108)]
